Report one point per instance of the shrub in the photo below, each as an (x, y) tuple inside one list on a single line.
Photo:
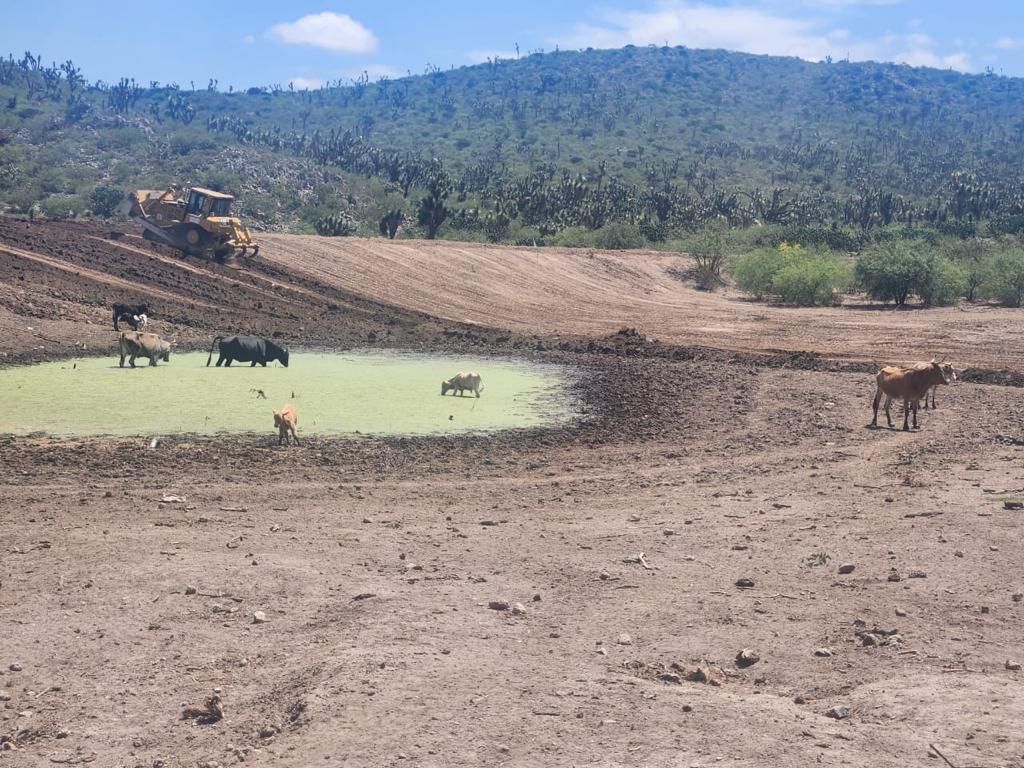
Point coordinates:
[(946, 285), (894, 270), (1004, 277), (793, 274), (340, 224), (708, 251), (62, 207), (104, 200), (618, 236), (971, 256)]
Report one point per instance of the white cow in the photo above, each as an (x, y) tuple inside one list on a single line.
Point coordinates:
[(462, 381)]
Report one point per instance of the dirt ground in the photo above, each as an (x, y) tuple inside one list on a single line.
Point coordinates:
[(554, 597)]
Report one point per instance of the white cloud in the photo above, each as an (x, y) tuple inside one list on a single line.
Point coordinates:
[(306, 83), (755, 29), (479, 57), (1009, 43), (848, 3), (332, 31), (249, 39)]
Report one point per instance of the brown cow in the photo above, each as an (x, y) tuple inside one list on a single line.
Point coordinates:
[(285, 421), (947, 369), (908, 385)]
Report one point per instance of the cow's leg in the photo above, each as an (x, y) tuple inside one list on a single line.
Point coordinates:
[(121, 363), (906, 413), (152, 361), (131, 360), (220, 359), (874, 407), (263, 363), (915, 414), (227, 362), (477, 392), (252, 364), (295, 435)]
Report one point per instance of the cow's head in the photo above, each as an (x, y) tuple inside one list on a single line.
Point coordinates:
[(445, 386), (284, 358), (936, 373), (165, 352), (277, 419)]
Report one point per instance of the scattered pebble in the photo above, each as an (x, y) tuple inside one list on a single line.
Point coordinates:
[(498, 605), (1018, 597), (669, 532), (190, 590), (917, 575), (824, 652), (846, 568), (259, 618), (4, 696), (838, 712), (624, 639), (984, 609), (634, 518), (15, 667), (503, 747), (604, 576), (268, 733), (687, 708), (900, 612), (367, 519), (745, 583), (1013, 666), (746, 658), (519, 609), (63, 733), (894, 575), (670, 677), (536, 598)]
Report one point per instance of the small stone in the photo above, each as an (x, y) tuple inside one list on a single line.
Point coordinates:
[(746, 658), (25, 713), (744, 583), (259, 618), (846, 568), (634, 518), (799, 700), (63, 733), (498, 605), (900, 612), (503, 747), (190, 590), (869, 640), (1018, 597), (15, 667), (917, 575), (536, 598), (984, 609), (958, 553), (604, 576), (993, 548), (823, 652), (603, 651), (838, 712), (4, 696), (519, 609), (268, 732), (106, 495), (670, 677), (889, 499), (687, 708), (367, 519), (1013, 666), (894, 575), (624, 639), (669, 532)]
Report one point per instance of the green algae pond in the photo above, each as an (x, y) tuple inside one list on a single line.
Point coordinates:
[(372, 392)]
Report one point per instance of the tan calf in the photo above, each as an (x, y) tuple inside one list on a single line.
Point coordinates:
[(285, 421)]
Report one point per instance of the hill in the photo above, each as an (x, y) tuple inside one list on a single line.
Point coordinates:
[(552, 145)]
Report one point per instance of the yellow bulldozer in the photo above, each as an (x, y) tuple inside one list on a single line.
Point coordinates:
[(194, 220)]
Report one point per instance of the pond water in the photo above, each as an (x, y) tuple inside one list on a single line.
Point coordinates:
[(335, 394)]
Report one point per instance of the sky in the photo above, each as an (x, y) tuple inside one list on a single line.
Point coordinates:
[(256, 42)]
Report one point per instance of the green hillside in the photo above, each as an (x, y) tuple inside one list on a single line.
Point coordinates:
[(654, 141)]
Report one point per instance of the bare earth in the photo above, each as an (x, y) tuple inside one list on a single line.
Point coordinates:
[(721, 451)]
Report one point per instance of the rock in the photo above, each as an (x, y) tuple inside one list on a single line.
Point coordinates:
[(190, 590), (745, 583), (634, 518), (687, 708), (5, 696), (747, 658), (604, 576), (268, 733), (498, 605), (894, 575), (259, 618), (624, 639), (869, 640), (1018, 597), (669, 532), (603, 651), (670, 677), (1013, 666), (799, 700), (503, 747), (984, 609), (710, 675), (15, 667), (536, 598), (824, 652), (900, 612), (63, 733), (838, 712), (846, 568), (367, 519), (917, 575), (519, 609)]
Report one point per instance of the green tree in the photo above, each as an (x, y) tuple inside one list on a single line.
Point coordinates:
[(103, 200), (895, 270), (707, 249), (948, 282), (432, 210), (1004, 277)]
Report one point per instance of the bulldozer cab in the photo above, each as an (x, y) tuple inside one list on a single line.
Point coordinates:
[(206, 202)]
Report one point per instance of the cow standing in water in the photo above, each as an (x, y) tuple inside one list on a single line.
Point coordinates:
[(134, 343), (462, 381), (247, 349)]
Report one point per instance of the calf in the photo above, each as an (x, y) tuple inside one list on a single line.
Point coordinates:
[(285, 421), (149, 345), (462, 381), (908, 385), (132, 311), (947, 369)]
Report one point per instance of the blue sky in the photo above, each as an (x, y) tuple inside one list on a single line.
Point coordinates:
[(260, 43)]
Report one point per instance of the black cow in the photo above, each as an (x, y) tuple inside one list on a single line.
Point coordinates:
[(247, 349), (131, 310)]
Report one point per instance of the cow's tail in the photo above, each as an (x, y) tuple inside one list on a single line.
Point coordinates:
[(216, 339), (481, 387)]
